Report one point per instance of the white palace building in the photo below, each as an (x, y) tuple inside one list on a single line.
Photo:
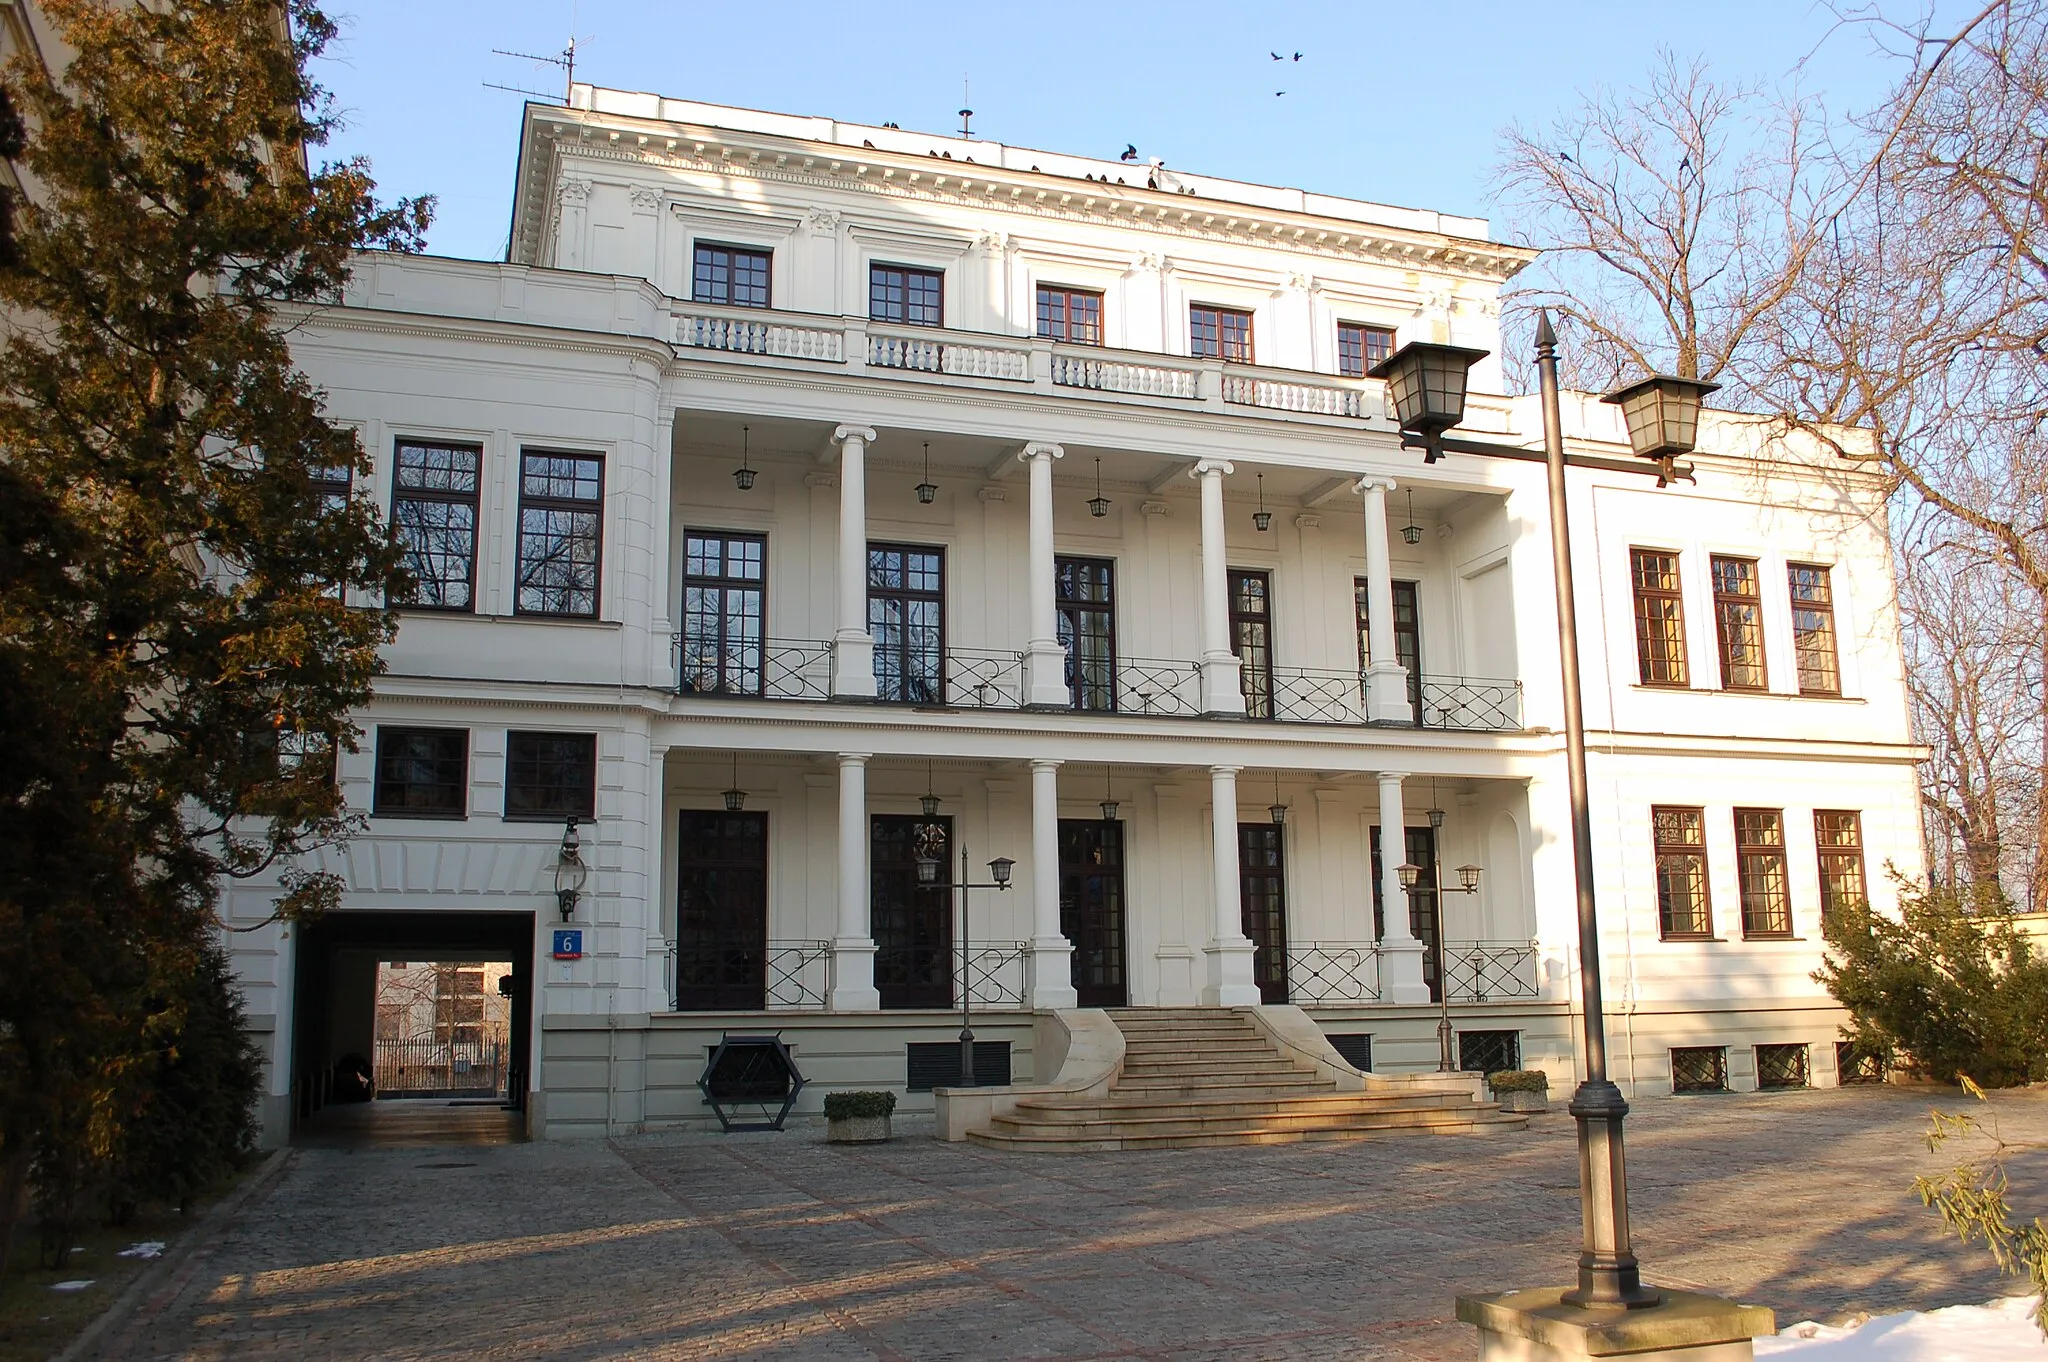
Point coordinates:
[(791, 472)]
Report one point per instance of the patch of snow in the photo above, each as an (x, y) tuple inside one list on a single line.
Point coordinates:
[(148, 1248), (1998, 1332), (70, 1286)]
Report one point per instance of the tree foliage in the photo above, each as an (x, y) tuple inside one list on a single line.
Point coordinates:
[(1962, 993), (1971, 1200), (180, 604)]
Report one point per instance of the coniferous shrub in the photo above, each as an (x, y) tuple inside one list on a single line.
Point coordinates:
[(1952, 986)]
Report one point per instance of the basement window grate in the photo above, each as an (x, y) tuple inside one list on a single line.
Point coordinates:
[(1782, 1066), (1489, 1052), (1853, 1066), (1356, 1047), (1699, 1068), (936, 1064)]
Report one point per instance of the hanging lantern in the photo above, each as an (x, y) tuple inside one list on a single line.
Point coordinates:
[(1277, 810), (1262, 519), (735, 798), (1098, 505), (1109, 805), (743, 476), (1411, 533), (927, 489)]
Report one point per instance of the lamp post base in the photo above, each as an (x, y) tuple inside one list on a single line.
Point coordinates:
[(1684, 1326)]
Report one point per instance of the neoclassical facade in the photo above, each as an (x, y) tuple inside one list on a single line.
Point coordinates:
[(793, 474)]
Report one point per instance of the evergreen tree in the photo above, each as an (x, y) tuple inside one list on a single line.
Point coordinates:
[(176, 622)]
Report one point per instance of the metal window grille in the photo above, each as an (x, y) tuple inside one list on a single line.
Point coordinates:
[(1699, 1068), (422, 772), (1782, 1066), (1489, 1052), (433, 518), (1760, 869), (936, 1064), (1854, 1067), (1738, 623), (1813, 629), (730, 274), (1660, 617), (561, 536), (1356, 1047), (550, 775), (1679, 836)]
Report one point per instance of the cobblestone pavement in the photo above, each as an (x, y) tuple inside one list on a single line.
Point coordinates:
[(780, 1246)]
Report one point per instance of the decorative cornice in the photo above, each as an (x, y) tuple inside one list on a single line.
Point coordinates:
[(644, 199), (1029, 193)]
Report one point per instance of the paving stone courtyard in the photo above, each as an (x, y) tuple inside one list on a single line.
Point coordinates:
[(781, 1246)]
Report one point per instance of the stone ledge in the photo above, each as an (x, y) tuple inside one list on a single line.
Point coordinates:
[(1684, 1321)]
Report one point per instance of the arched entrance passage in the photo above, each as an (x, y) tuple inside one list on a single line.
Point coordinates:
[(334, 1017)]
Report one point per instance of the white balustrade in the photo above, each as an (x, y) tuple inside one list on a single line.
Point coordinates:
[(1119, 376)]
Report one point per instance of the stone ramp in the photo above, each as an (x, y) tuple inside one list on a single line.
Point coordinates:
[(1212, 1076)]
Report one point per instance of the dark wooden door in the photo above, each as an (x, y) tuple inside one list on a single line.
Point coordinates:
[(1092, 908), (912, 922), (1262, 899), (1420, 851), (721, 911)]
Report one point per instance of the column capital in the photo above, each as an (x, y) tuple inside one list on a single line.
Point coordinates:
[(1374, 482), (864, 434), (1211, 468), (1395, 775), (1045, 764), (854, 758), (1224, 770), (1041, 449)]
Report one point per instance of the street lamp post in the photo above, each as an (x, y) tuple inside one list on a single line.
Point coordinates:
[(930, 845), (1426, 386), (1468, 883)]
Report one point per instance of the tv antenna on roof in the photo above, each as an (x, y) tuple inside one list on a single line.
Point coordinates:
[(566, 60), (966, 130)]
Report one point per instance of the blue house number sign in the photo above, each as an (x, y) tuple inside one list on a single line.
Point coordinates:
[(568, 943)]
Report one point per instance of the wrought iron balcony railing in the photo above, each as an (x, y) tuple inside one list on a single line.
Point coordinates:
[(773, 669), (980, 678), (1146, 685), (1490, 971), (1333, 972), (1476, 702), (995, 974), (777, 975), (1308, 696)]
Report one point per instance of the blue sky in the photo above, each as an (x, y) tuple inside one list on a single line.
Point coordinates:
[(1398, 103)]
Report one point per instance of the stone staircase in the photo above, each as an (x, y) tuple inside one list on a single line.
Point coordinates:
[(1212, 1076)]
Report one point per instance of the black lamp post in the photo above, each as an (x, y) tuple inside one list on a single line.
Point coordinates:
[(1426, 386), (931, 846), (1468, 883)]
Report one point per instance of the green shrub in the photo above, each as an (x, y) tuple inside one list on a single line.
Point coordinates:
[(853, 1106), (1519, 1080), (1955, 987)]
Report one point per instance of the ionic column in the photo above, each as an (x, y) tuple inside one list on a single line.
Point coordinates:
[(1045, 662), (1221, 691), (853, 648), (1386, 680), (1229, 952), (1400, 951), (1052, 955), (853, 944)]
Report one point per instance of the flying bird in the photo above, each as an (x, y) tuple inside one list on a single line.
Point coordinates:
[(1275, 55), (1130, 152), (1297, 56), (1278, 93)]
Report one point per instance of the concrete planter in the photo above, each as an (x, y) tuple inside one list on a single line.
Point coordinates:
[(1523, 1101), (857, 1130)]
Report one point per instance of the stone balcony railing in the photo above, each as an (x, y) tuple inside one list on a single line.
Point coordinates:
[(857, 345)]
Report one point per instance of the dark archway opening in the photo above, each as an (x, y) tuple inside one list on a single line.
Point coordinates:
[(335, 1052)]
